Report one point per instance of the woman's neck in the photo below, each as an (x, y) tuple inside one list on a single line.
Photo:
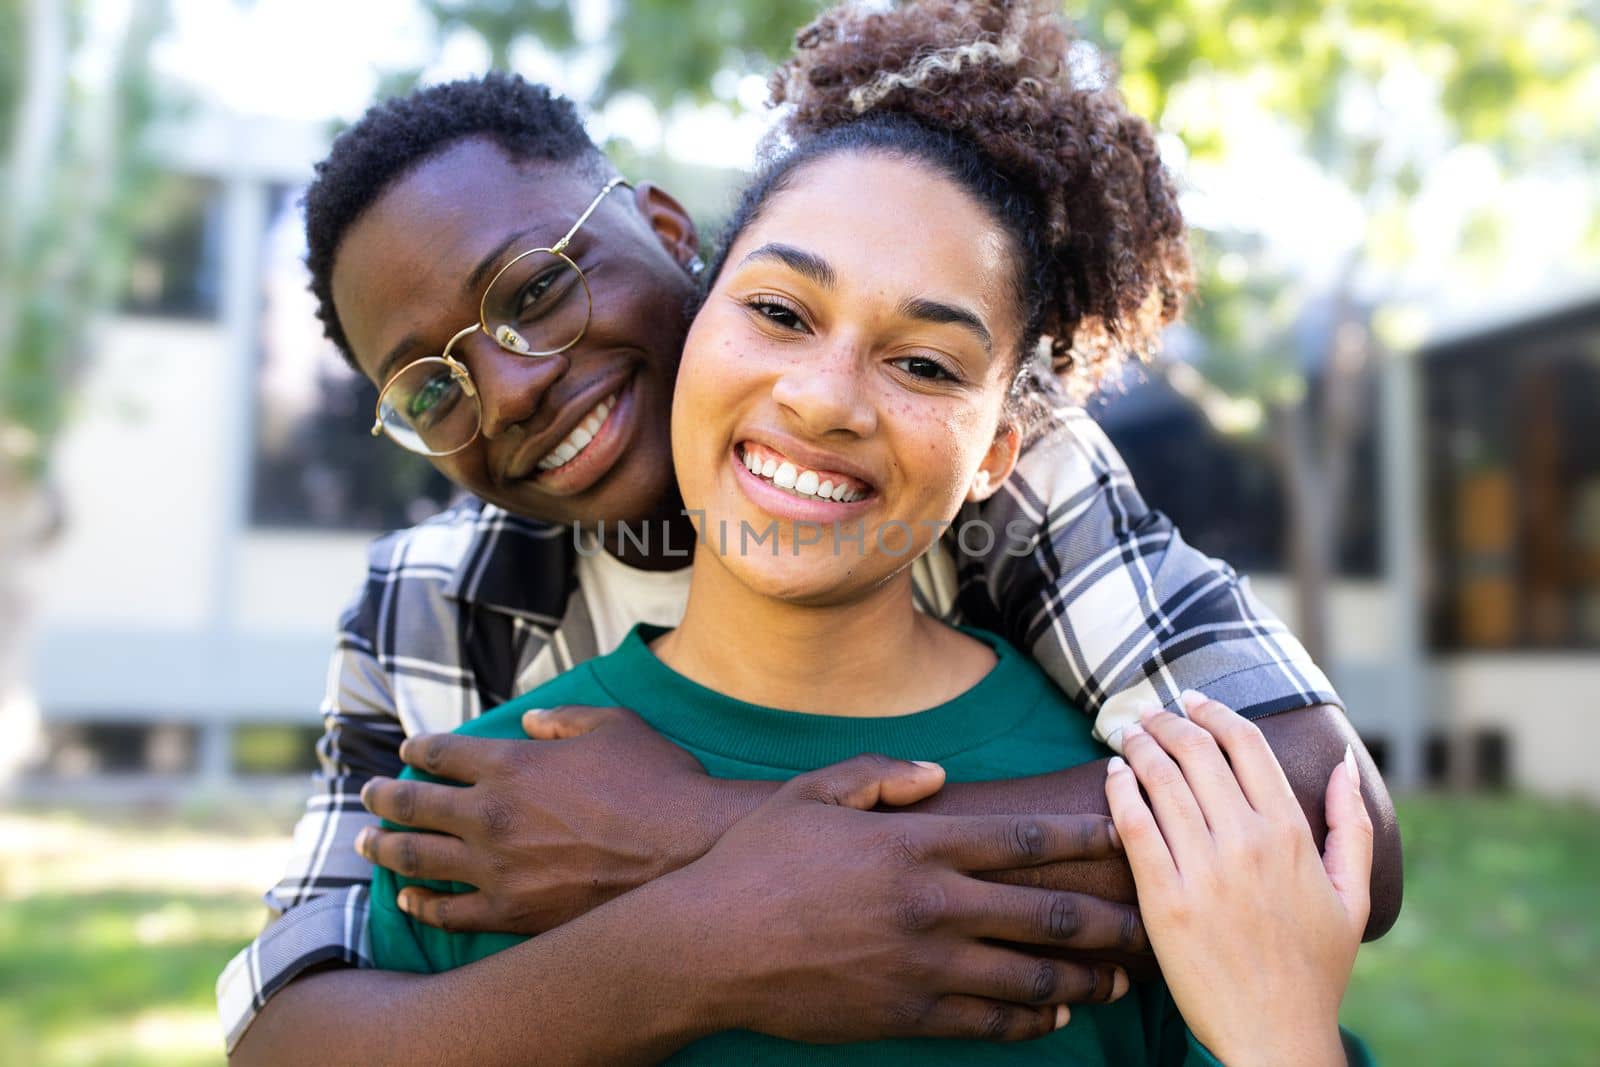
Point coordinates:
[(874, 656)]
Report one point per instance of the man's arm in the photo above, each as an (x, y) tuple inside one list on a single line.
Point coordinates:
[(752, 935)]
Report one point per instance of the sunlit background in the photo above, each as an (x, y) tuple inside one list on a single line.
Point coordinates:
[(1384, 407)]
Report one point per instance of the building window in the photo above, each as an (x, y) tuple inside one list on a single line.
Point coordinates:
[(176, 269), (1514, 473), (315, 463)]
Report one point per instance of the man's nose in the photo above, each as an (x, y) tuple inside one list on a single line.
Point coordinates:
[(510, 386), (828, 392)]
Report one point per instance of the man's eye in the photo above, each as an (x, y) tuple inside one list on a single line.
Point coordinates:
[(927, 369), (432, 400)]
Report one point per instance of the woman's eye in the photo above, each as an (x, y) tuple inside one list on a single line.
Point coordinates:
[(779, 314), (927, 369)]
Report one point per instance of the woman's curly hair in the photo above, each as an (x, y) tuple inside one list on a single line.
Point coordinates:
[(1110, 263)]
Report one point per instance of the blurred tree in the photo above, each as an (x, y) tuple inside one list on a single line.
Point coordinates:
[(1377, 96), (71, 121)]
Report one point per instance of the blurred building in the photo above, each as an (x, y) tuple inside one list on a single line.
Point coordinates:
[(220, 485)]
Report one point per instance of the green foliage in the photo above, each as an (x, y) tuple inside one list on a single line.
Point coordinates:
[(64, 252), (673, 51)]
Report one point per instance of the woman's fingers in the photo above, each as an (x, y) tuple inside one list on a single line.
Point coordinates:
[(1217, 791), (1148, 855), (1171, 800), (1255, 767), (1347, 854)]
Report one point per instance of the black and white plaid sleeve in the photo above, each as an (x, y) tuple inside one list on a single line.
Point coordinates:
[(1109, 599), (397, 670)]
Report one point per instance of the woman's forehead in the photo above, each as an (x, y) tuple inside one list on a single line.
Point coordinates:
[(893, 225)]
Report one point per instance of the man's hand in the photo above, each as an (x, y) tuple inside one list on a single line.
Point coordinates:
[(545, 830), (819, 920)]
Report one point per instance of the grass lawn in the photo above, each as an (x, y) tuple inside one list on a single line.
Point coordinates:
[(111, 935)]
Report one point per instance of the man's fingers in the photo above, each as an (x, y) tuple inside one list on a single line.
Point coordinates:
[(1005, 974), (455, 913), (1007, 842), (424, 805), (864, 782), (1255, 767), (1046, 917), (1148, 855), (1347, 853), (977, 1019), (458, 757), (437, 857), (573, 720)]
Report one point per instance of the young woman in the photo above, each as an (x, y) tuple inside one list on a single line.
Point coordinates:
[(863, 367)]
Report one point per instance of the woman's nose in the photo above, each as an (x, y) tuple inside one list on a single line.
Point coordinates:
[(511, 387), (827, 393)]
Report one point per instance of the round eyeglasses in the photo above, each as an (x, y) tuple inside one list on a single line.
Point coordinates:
[(538, 304)]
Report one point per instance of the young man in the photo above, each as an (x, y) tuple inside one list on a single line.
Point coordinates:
[(434, 225)]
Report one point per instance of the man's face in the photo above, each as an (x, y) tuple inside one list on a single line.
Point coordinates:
[(409, 275)]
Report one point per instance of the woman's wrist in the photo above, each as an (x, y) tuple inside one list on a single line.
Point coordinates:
[(1307, 1046)]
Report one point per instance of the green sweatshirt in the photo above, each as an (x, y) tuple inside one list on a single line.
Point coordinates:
[(1013, 723)]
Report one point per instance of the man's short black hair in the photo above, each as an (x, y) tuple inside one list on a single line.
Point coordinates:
[(527, 121)]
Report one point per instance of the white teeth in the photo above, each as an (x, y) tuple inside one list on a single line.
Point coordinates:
[(579, 438), (785, 475)]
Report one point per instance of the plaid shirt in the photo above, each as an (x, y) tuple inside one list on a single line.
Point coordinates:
[(465, 611)]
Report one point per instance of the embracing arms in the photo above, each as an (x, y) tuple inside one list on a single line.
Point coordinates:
[(547, 831)]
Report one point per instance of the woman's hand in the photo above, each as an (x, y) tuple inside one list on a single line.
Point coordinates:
[(1255, 933)]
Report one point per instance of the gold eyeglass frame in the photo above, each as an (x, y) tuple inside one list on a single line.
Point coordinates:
[(505, 336)]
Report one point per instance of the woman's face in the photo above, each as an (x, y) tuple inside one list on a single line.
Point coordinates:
[(846, 379)]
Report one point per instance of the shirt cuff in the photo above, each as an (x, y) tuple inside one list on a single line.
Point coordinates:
[(1254, 692), (331, 928)]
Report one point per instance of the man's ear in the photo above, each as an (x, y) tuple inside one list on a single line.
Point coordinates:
[(672, 225), (997, 465)]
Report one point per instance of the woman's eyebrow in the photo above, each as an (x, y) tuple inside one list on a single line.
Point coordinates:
[(925, 310), (798, 260)]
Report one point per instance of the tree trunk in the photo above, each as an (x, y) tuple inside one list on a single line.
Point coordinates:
[(26, 525), (1311, 521)]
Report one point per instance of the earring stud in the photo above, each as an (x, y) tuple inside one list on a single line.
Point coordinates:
[(697, 267)]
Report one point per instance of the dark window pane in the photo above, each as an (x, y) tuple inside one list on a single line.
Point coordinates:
[(176, 266)]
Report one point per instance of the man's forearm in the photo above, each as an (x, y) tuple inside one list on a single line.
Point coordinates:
[(1309, 742), (607, 987)]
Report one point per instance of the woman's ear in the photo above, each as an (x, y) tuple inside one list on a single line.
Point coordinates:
[(997, 464), (672, 225)]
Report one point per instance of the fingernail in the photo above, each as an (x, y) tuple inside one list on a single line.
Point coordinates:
[(363, 841), (925, 763), (403, 902), (1063, 1015), (1350, 769), (1130, 731), (1190, 699), (1146, 708), (536, 711), (1116, 838), (1116, 764), (1119, 984)]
